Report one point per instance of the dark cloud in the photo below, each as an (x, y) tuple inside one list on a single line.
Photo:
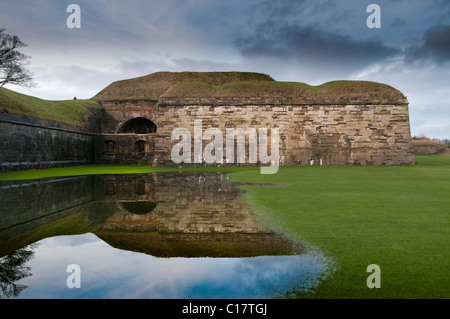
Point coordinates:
[(397, 22), (436, 45), (306, 44), (278, 9)]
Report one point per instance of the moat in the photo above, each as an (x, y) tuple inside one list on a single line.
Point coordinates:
[(159, 235)]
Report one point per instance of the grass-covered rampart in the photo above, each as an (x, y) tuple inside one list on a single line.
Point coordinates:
[(72, 112)]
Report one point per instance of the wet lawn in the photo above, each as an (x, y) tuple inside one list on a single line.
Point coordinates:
[(397, 217)]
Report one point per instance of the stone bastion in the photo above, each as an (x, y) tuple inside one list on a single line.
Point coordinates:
[(336, 123)]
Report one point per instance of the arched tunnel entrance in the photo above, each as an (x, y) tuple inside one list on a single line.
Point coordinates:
[(139, 125), (134, 143)]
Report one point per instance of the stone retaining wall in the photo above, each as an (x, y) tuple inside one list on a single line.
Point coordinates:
[(426, 147), (29, 144)]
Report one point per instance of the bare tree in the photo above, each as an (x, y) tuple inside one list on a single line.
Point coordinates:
[(12, 62)]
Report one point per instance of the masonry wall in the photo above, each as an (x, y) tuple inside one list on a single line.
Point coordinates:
[(113, 147), (426, 147), (124, 148), (28, 143), (327, 134), (319, 132), (117, 113)]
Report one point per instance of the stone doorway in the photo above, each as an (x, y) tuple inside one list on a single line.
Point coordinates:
[(139, 125)]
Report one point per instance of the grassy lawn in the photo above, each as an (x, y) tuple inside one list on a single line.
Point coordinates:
[(397, 217), (394, 216)]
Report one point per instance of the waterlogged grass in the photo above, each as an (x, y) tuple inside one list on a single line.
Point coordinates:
[(109, 169), (80, 170), (397, 217)]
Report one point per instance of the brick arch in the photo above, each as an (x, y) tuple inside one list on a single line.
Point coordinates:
[(138, 125)]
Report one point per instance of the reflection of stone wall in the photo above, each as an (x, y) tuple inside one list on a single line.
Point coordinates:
[(188, 203), (185, 203), (117, 188), (209, 205), (163, 214), (31, 203)]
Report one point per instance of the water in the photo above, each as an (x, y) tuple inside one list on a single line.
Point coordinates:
[(164, 235)]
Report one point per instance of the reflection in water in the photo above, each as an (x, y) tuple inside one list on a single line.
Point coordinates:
[(12, 269), (148, 236), (107, 272), (138, 208)]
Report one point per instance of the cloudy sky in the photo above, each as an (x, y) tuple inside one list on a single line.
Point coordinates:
[(310, 41)]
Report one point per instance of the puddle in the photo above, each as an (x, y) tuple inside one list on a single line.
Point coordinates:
[(163, 235)]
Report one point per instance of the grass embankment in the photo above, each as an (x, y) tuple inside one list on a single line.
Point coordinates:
[(330, 90), (72, 112), (154, 85), (394, 216)]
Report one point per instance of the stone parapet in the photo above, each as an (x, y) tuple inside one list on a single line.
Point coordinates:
[(275, 101)]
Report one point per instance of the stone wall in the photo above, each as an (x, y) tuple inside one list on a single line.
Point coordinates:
[(319, 134), (125, 148), (340, 124), (114, 147), (350, 133), (28, 143), (117, 113), (334, 132), (426, 146)]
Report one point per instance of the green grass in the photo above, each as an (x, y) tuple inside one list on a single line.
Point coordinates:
[(73, 112), (272, 89), (99, 169), (80, 170), (394, 216)]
